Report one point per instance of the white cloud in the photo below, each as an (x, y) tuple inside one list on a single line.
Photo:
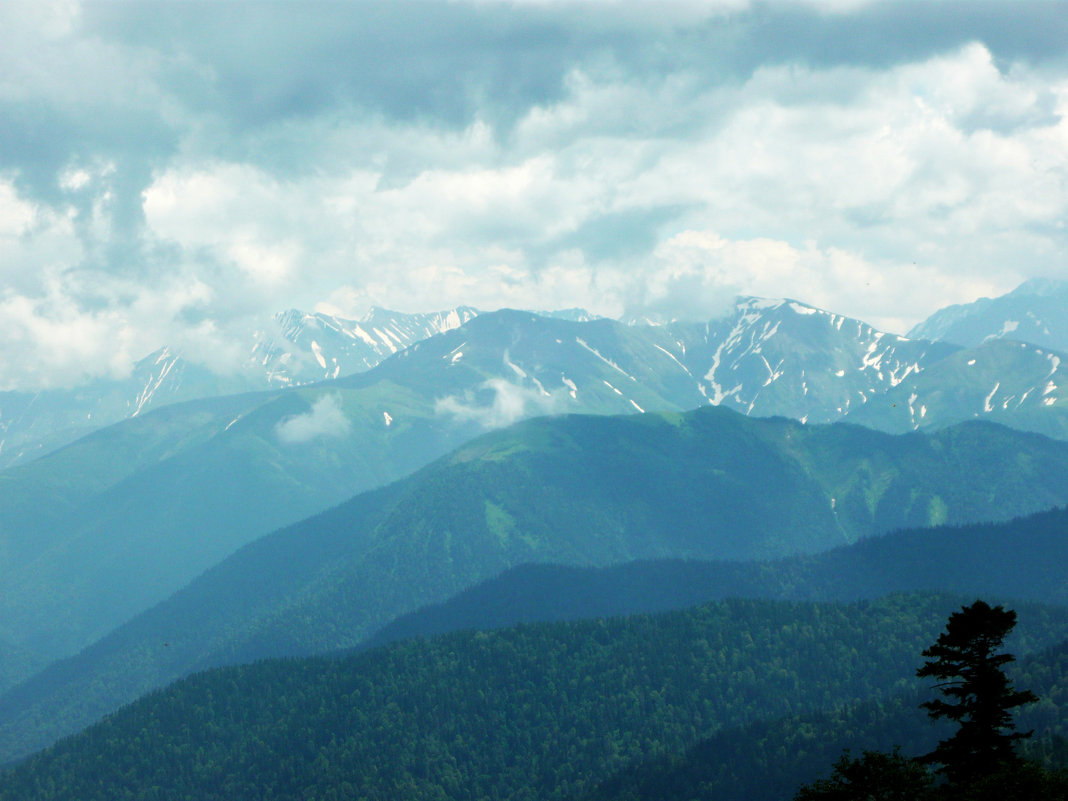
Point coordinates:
[(16, 216), (39, 345), (510, 403), (35, 243), (649, 173), (706, 270), (84, 325), (325, 419), (803, 170)]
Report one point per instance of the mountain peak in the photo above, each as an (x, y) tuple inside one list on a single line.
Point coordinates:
[(1040, 287), (1035, 312)]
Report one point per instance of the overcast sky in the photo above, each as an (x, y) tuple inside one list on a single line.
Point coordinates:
[(171, 172)]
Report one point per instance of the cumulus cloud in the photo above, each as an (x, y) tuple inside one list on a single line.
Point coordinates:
[(697, 274), (174, 176), (507, 403), (325, 419)]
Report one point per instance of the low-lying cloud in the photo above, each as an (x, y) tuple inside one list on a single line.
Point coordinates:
[(510, 404), (325, 420)]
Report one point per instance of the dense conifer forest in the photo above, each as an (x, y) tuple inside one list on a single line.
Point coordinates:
[(542, 711)]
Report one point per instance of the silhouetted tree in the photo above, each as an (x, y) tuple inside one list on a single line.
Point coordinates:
[(978, 695), (874, 777)]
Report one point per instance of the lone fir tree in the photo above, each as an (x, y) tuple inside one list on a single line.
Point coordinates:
[(978, 695)]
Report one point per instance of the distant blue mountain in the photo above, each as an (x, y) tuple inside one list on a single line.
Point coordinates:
[(1034, 312)]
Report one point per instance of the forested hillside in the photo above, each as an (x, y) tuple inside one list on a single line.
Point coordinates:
[(769, 759), (1025, 559), (540, 711)]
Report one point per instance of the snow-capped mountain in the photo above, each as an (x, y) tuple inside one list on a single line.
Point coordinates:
[(765, 357), (781, 357), (1014, 383), (300, 348), (312, 346), (1035, 312)]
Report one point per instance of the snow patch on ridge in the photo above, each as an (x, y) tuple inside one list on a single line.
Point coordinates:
[(762, 303), (385, 340), (986, 404), (774, 373), (367, 338), (604, 359), (671, 356), (519, 371), (145, 395)]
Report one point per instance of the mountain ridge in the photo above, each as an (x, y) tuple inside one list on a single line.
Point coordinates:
[(304, 348), (580, 489), (1034, 312)]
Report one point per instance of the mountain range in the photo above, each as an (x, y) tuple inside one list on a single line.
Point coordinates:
[(296, 348), (1034, 312), (762, 358), (117, 509), (388, 417), (99, 530), (574, 489), (757, 358), (1023, 559)]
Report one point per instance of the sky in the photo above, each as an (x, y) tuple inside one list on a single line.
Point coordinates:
[(174, 173)]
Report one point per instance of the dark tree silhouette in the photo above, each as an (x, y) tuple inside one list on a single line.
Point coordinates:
[(874, 777), (978, 695)]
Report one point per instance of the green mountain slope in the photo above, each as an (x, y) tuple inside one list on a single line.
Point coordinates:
[(536, 711), (578, 490), (1024, 559), (98, 531)]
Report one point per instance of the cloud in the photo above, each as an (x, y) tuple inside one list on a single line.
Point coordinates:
[(699, 273), (509, 404), (883, 159), (325, 419)]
